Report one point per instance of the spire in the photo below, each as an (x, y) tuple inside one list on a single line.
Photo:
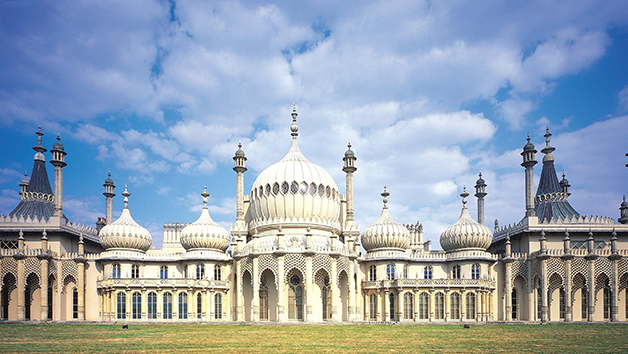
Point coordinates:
[(39, 148), (294, 127), (126, 195), (205, 195), (464, 196), (547, 150), (385, 194)]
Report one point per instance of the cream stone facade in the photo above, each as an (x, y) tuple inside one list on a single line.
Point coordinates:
[(295, 253)]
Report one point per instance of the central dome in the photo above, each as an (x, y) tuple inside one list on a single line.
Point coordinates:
[(294, 190)]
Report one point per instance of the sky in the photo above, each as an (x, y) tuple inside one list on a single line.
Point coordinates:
[(429, 94)]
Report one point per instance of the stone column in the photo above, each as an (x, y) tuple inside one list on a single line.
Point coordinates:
[(463, 305), (240, 293), (280, 286), (543, 291), (415, 297), (255, 314), (447, 305), (431, 305), (308, 287), (401, 304), (20, 287), (335, 292), (80, 260), (591, 257), (212, 306), (568, 300), (614, 258), (351, 292), (144, 304), (44, 289), (386, 311), (160, 304), (508, 288)]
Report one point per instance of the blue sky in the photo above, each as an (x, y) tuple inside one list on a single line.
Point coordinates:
[(429, 93)]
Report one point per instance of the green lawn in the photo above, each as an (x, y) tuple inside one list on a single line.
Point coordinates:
[(315, 339)]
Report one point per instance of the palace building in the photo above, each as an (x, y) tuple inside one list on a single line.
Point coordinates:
[(295, 253)]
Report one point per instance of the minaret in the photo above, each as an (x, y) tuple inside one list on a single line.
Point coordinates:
[(58, 161), (109, 194), (480, 193), (564, 185), (528, 163), (239, 168), (349, 168), (24, 183)]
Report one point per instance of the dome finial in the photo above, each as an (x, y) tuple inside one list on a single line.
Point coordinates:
[(547, 150), (205, 195), (126, 195), (528, 138), (464, 196), (385, 194), (294, 127)]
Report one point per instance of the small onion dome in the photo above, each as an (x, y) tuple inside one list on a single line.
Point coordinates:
[(205, 233), (466, 233), (25, 180), (349, 152), (480, 181), (125, 232), (239, 152), (385, 233), (58, 146), (564, 182), (109, 181), (529, 146), (623, 203)]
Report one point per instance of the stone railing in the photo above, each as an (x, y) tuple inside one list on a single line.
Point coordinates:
[(174, 282), (10, 252), (343, 251), (428, 283), (581, 252)]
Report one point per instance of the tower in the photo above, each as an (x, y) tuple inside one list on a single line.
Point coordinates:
[(349, 168), (239, 168), (623, 212), (480, 193), (528, 163), (58, 161), (109, 194)]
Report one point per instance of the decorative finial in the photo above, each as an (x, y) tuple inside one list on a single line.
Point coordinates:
[(614, 234), (239, 144), (126, 195), (205, 195), (385, 194), (294, 127), (44, 235), (528, 139), (58, 137), (39, 135), (590, 234), (542, 235), (349, 144), (464, 196), (21, 235)]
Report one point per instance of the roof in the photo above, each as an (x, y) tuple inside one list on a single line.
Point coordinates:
[(38, 199), (553, 203)]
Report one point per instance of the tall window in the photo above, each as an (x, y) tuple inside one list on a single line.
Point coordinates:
[(199, 306), (121, 306), (427, 272), (372, 272), (470, 306), (475, 271), (116, 271), (408, 305), (373, 306), (515, 303), (424, 306), (295, 298), (607, 303), (455, 272), (50, 290), (218, 306), (183, 306), (217, 272), (454, 306), (390, 272), (152, 306), (539, 304), (585, 300), (200, 271), (326, 295), (74, 304), (439, 306), (263, 300), (135, 271), (405, 271), (136, 306), (167, 306), (163, 272), (562, 304)]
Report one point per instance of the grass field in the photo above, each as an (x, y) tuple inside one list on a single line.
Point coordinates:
[(18, 338)]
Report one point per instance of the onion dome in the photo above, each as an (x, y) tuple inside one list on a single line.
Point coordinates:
[(109, 181), (294, 190), (529, 146), (58, 146), (239, 152), (466, 234), (386, 233), (204, 233), (564, 182), (25, 180), (349, 152), (125, 233)]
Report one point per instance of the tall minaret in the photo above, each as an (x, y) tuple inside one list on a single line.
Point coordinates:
[(58, 161), (528, 163), (240, 168), (349, 168), (109, 194), (480, 193)]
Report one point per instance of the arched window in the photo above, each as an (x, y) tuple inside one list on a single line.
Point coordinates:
[(515, 303), (135, 271), (200, 271), (199, 306), (372, 272), (405, 271), (116, 271), (152, 306), (427, 272), (562, 304), (183, 306), (470, 306), (136, 306), (439, 306), (217, 272), (475, 271), (373, 307), (585, 301), (391, 302), (75, 303), (455, 272), (390, 272), (121, 313), (295, 298), (454, 306), (218, 306), (163, 272), (408, 305), (167, 306), (607, 303), (424, 306)]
